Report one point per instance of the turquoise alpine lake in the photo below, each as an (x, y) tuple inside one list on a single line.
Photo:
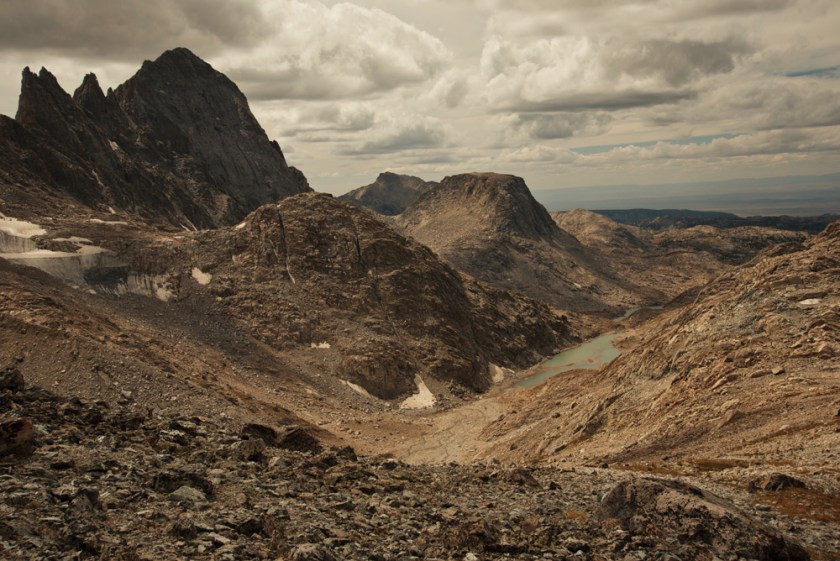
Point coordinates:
[(595, 353)]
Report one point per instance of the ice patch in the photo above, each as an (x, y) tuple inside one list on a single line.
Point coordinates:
[(201, 277), (147, 285), (423, 399), (323, 345)]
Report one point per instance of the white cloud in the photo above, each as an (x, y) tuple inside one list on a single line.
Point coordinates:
[(540, 153), (764, 143)]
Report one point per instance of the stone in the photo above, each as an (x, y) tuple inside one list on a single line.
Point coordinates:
[(390, 194), (250, 450), (775, 482), (313, 552), (187, 495), (697, 515), (11, 379), (17, 437)]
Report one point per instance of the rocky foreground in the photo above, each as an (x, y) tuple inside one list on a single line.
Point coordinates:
[(84, 480)]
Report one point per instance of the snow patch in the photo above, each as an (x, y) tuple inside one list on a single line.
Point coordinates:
[(240, 226), (110, 223), (423, 399), (323, 345), (19, 228), (810, 302), (498, 373), (358, 389), (201, 277), (114, 146)]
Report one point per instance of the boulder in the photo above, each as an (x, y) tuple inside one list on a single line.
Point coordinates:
[(645, 506)]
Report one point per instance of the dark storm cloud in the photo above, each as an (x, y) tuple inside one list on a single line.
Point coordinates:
[(104, 28)]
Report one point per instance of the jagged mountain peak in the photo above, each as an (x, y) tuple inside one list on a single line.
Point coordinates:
[(176, 143)]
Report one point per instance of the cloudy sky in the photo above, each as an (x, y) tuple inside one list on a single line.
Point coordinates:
[(562, 92)]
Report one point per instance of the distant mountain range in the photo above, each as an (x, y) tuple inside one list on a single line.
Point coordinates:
[(808, 195), (652, 219)]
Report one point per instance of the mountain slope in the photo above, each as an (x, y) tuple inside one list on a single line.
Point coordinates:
[(750, 370), (176, 143), (390, 194)]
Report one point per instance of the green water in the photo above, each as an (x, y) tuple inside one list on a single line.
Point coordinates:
[(592, 354)]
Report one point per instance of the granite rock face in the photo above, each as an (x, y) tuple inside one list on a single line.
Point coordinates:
[(174, 144)]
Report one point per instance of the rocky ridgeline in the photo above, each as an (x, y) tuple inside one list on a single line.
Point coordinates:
[(390, 194), (101, 481), (175, 144)]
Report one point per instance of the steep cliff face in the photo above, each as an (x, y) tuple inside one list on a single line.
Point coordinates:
[(176, 143), (390, 194)]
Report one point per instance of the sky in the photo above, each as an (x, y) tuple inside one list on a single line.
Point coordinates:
[(565, 93)]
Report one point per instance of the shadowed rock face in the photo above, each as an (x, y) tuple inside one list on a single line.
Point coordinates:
[(390, 194), (176, 143)]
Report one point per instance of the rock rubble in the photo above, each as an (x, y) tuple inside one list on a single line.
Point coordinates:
[(110, 482)]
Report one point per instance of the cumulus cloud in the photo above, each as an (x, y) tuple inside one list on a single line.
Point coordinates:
[(540, 153), (760, 103), (583, 73), (343, 51), (323, 117)]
